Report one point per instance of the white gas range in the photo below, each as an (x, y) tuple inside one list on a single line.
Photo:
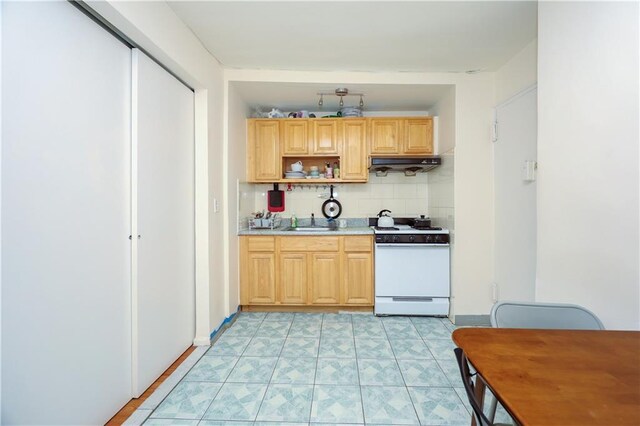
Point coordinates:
[(412, 270)]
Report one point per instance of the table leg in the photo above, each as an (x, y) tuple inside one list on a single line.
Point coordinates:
[(479, 390)]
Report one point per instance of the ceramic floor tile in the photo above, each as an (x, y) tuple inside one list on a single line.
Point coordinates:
[(264, 346), (426, 320), (137, 417), (336, 404), (273, 329), (281, 424), (229, 345), (295, 370), (300, 347), (452, 371), (236, 401), (223, 423), (337, 371), (188, 400), (337, 329), (447, 323), (379, 372), (438, 406), (247, 329), (342, 318), (441, 348), (501, 414), (373, 348), (389, 405), (410, 349), (172, 422), (423, 372), (396, 320), (337, 348), (253, 370), (301, 329), (400, 330), (308, 318), (286, 403), (212, 369), (279, 316), (462, 394), (433, 331), (372, 329), (252, 315)]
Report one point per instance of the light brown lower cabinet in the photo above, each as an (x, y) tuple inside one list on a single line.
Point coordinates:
[(306, 270)]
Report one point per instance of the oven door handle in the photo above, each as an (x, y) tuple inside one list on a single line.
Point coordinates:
[(410, 245)]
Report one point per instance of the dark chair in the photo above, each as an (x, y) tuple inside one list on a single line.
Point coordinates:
[(469, 387)]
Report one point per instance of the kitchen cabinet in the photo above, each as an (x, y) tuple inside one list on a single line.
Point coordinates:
[(295, 134), (354, 166), (258, 278), (401, 136), (358, 271), (306, 270), (263, 151), (326, 138)]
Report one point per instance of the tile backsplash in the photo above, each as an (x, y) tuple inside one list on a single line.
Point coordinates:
[(403, 195)]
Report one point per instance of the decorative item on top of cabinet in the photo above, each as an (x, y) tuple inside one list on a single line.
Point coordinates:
[(263, 151)]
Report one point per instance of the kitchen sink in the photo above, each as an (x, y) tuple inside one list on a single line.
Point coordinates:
[(312, 228)]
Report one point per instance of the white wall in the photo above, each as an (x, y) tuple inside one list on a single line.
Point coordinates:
[(155, 27), (588, 158), (234, 170), (472, 272), (518, 73)]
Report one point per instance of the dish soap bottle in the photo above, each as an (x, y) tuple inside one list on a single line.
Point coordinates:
[(294, 221)]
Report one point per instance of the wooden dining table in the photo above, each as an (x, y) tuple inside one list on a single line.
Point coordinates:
[(558, 377)]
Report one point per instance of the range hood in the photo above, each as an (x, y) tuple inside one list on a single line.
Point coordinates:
[(407, 165)]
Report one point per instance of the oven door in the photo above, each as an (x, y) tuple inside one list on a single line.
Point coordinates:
[(412, 270)]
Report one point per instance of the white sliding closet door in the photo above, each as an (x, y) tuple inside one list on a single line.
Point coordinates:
[(164, 289), (66, 308)]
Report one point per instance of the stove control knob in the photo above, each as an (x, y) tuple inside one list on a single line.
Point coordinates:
[(396, 239), (412, 238), (385, 239)]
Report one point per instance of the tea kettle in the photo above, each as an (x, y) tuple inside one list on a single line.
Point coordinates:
[(384, 219)]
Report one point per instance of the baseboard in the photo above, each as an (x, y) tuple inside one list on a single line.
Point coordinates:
[(201, 341), (477, 320)]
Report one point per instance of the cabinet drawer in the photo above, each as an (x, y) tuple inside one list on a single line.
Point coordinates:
[(360, 243), (261, 243), (309, 244)]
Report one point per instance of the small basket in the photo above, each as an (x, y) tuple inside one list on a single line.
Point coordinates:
[(272, 222)]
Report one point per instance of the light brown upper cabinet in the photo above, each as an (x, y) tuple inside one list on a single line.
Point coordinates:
[(385, 135), (326, 138), (401, 136), (354, 151), (263, 151), (295, 137), (418, 135)]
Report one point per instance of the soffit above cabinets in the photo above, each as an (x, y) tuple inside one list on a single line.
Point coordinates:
[(411, 36)]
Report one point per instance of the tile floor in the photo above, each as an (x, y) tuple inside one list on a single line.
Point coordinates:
[(315, 369)]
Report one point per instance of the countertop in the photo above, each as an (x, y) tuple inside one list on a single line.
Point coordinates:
[(349, 230)]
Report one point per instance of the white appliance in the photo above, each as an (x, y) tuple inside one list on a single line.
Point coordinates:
[(412, 270)]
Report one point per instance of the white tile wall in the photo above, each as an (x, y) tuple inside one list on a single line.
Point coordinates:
[(403, 195)]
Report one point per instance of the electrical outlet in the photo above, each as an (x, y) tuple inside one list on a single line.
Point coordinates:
[(216, 205)]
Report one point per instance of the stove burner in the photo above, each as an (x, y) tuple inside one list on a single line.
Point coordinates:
[(386, 228)]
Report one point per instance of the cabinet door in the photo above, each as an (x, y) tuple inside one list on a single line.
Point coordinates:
[(358, 279), (325, 137), (325, 278), (295, 137), (418, 136), (385, 136), (292, 288), (264, 150), (261, 283), (353, 165)]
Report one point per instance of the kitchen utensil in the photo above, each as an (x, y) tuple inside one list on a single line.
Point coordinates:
[(331, 209), (385, 220), (297, 166), (275, 199), (422, 222)]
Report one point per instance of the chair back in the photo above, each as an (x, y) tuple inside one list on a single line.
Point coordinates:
[(469, 387), (543, 315)]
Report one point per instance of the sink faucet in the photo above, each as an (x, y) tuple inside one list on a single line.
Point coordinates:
[(313, 220)]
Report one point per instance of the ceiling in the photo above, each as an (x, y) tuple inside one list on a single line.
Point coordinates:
[(413, 36), (373, 36)]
